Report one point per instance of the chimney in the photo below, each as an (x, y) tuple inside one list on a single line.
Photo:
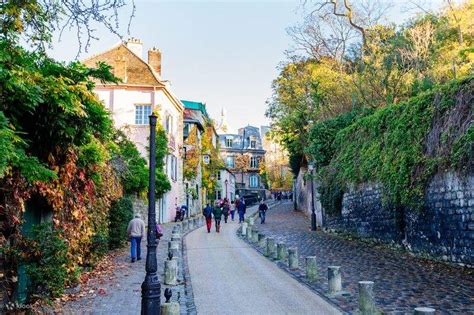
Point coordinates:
[(154, 59), (135, 45)]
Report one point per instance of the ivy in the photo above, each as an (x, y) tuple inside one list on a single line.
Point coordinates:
[(392, 145)]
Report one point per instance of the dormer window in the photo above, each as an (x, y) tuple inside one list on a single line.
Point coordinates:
[(253, 144), (228, 142)]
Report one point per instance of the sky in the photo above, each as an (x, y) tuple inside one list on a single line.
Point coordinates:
[(222, 53)]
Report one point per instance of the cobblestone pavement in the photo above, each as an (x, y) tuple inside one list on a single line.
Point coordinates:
[(402, 281), (123, 290)]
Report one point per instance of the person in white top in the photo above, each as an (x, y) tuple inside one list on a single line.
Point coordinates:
[(135, 232)]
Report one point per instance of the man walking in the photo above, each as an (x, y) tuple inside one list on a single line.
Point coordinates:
[(208, 215), (241, 210), (135, 232), (262, 211)]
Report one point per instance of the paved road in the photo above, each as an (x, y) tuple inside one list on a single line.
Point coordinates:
[(229, 277)]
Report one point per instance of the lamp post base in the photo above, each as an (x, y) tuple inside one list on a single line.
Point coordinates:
[(313, 221), (151, 292)]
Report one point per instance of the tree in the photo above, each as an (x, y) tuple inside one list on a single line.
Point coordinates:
[(36, 20)]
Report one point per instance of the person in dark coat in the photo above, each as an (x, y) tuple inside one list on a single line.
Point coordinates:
[(225, 209), (241, 209), (262, 211), (208, 215), (217, 212)]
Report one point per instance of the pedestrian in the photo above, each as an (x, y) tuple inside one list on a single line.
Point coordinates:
[(135, 232), (159, 231), (217, 212), (225, 209), (232, 210), (241, 210), (262, 211), (208, 215)]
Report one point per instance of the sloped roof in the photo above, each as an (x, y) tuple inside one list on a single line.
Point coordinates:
[(138, 71)]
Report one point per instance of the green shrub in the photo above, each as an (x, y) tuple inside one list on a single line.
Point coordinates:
[(46, 266), (99, 245), (119, 216)]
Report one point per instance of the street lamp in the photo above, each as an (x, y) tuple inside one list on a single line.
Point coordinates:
[(313, 215), (215, 191), (226, 183), (151, 287)]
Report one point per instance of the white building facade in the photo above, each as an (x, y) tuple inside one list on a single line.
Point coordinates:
[(141, 92)]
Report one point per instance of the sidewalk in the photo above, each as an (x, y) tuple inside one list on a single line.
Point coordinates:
[(402, 281), (121, 293)]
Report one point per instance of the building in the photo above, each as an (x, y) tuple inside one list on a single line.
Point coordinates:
[(195, 120), (243, 155), (227, 185), (141, 92)]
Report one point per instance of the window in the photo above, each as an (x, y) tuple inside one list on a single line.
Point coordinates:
[(172, 171), (253, 181), (228, 142), (253, 144), (230, 161), (169, 124), (218, 194), (186, 130), (254, 162), (141, 114), (219, 175)]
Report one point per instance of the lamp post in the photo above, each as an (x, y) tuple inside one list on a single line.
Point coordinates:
[(151, 288), (226, 183), (313, 215)]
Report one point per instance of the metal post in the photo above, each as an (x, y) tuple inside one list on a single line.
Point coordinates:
[(151, 288), (313, 215)]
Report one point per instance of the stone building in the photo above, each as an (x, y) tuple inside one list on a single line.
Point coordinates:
[(279, 175), (131, 101), (243, 155)]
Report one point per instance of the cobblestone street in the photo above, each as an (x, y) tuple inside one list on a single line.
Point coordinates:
[(402, 281), (122, 292)]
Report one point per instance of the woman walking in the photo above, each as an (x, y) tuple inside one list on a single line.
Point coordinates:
[(208, 215), (217, 212)]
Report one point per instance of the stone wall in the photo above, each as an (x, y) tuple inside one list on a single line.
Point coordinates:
[(303, 196), (443, 228)]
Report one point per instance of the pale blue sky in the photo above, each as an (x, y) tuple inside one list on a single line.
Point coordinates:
[(223, 53)]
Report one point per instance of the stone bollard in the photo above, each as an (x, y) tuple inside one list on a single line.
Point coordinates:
[(185, 225), (311, 268), (424, 311), (244, 228), (195, 222), (190, 224), (261, 240), (293, 262), (175, 236), (171, 271), (171, 308), (270, 249), (334, 279), (281, 251), (173, 247), (251, 220), (249, 233), (254, 235), (366, 298)]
